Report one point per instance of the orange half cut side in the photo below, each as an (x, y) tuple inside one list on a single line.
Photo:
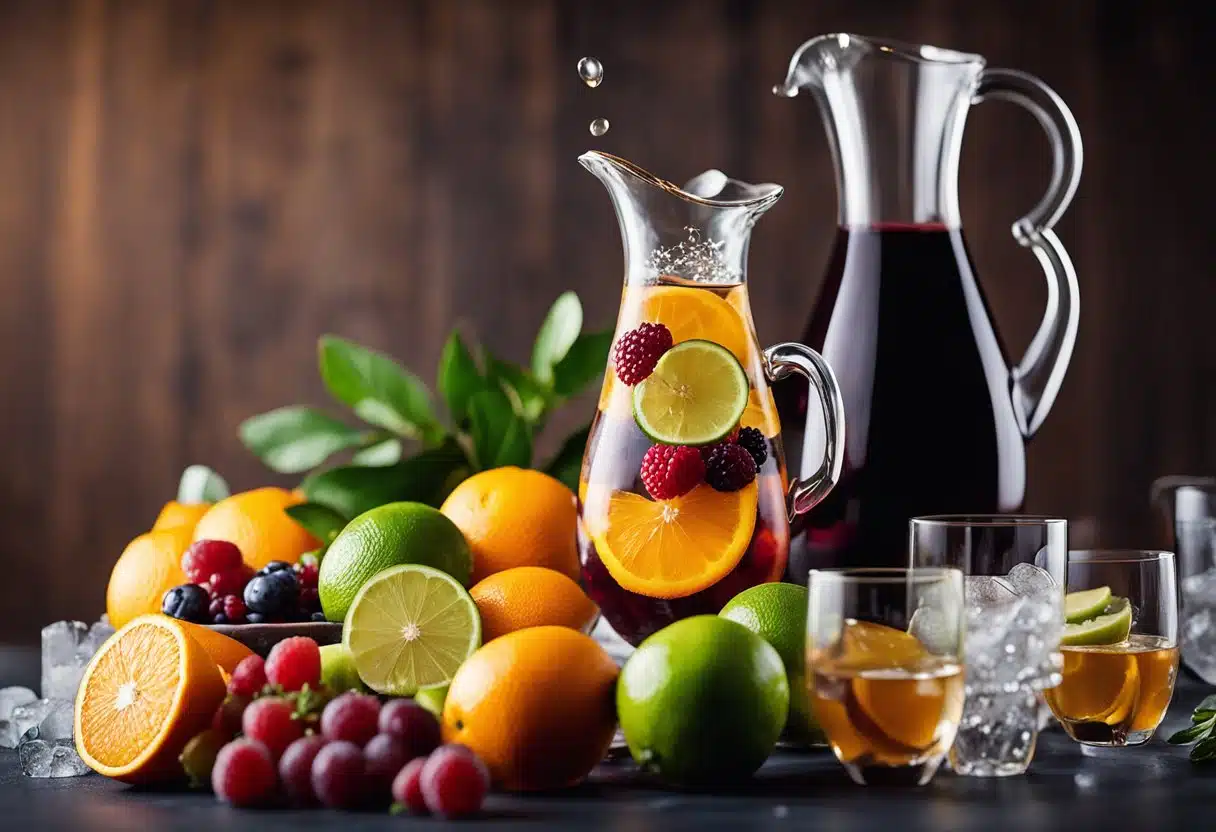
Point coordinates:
[(673, 548)]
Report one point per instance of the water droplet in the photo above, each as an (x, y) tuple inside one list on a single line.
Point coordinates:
[(591, 71), (599, 127)]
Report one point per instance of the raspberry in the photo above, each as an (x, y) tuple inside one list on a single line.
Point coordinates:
[(730, 468), (338, 778), (310, 602), (638, 350), (230, 581), (454, 782), (244, 774), (307, 573), (754, 442), (206, 557), (271, 721), (294, 663), (248, 677), (352, 717), (671, 470), (234, 609), (295, 769), (407, 786)]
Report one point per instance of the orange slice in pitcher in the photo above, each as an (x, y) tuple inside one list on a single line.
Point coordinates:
[(690, 313), (150, 688), (673, 548)]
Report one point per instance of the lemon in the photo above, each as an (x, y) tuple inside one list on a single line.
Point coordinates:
[(696, 395), (410, 628), (390, 535)]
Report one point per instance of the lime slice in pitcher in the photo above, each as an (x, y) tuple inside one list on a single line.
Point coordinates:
[(695, 396), (1085, 604), (1109, 628)]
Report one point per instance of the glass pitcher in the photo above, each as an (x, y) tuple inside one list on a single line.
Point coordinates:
[(684, 499), (937, 416)]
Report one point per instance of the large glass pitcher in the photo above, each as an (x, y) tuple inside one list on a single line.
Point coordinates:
[(937, 416), (683, 496)]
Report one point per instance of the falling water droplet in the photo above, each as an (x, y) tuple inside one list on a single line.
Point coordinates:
[(599, 127), (591, 71)]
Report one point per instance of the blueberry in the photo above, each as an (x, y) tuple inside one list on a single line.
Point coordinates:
[(219, 618), (318, 616), (274, 566), (187, 602), (255, 618), (275, 594)]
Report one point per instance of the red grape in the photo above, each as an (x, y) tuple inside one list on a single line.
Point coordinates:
[(244, 774), (411, 723), (407, 786), (384, 756), (351, 717), (271, 721), (454, 782), (338, 775), (295, 769)]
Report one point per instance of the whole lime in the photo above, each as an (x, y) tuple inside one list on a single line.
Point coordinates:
[(703, 701), (338, 671), (390, 535), (777, 613)]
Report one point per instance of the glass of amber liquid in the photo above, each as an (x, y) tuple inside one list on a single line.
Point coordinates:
[(1116, 687), (888, 702)]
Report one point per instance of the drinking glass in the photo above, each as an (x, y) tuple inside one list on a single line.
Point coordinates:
[(1195, 562), (1015, 568), (888, 701), (1115, 694)]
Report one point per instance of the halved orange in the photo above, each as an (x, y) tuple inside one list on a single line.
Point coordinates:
[(224, 651), (150, 688), (671, 548)]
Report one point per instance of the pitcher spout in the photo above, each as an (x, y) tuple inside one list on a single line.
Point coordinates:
[(840, 52)]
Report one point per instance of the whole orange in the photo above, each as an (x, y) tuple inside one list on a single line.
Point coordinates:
[(149, 567), (531, 596), (256, 523), (516, 517), (180, 514), (537, 705)]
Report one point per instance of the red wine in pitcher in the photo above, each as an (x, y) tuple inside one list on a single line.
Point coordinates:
[(929, 421)]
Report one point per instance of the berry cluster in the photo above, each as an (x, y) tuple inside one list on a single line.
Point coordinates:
[(279, 738), (670, 471), (639, 350), (224, 590)]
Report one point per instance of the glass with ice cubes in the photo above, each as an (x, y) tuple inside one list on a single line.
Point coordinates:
[(1015, 568)]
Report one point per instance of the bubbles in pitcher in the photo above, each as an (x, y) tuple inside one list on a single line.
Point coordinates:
[(599, 127), (591, 71), (695, 259)]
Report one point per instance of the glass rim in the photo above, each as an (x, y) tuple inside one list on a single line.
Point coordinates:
[(960, 521), (884, 574), (1119, 556)]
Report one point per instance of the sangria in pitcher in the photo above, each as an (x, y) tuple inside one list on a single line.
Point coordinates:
[(684, 500)]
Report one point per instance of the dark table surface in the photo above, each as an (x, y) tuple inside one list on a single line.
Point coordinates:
[(1150, 788)]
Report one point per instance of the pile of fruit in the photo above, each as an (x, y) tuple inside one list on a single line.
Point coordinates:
[(223, 589)]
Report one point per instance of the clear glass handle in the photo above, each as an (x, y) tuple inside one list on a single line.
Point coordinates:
[(779, 361), (1035, 381)]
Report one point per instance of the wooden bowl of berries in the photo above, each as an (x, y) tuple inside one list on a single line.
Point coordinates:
[(257, 608)]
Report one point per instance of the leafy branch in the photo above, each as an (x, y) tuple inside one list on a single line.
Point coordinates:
[(1203, 721), (407, 447)]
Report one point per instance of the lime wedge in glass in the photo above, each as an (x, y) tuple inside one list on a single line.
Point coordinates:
[(1108, 628), (409, 628), (695, 396), (1084, 605)]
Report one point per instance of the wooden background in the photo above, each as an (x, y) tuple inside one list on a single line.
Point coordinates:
[(192, 191)]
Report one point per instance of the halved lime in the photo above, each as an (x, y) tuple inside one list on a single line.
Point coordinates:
[(696, 395), (1108, 628), (1084, 605), (409, 628)]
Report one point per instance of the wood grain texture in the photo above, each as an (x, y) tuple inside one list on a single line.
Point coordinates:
[(192, 191)]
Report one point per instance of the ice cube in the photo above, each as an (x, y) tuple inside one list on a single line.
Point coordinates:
[(11, 699), (67, 647), (1031, 581), (27, 716), (99, 632), (935, 629), (50, 758), (57, 722), (986, 590)]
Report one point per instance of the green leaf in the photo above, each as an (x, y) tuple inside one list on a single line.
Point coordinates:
[(1202, 716), (500, 435), (1189, 735), (583, 363), (567, 463), (426, 477), (530, 399), (321, 521), (291, 440), (380, 390), (556, 335), (199, 484), (1208, 703), (459, 377), (386, 452), (1204, 751)]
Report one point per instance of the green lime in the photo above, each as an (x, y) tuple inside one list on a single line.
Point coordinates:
[(777, 613), (703, 701), (410, 628), (696, 395), (1109, 628), (338, 671), (432, 699), (390, 535), (1084, 605)]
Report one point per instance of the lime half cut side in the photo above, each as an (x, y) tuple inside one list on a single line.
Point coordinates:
[(410, 628), (695, 396), (1086, 604), (1109, 628)]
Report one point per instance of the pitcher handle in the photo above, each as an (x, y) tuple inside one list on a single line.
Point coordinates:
[(779, 361), (1036, 380)]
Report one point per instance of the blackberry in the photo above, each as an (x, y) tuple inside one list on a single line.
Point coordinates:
[(730, 468), (754, 442)]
